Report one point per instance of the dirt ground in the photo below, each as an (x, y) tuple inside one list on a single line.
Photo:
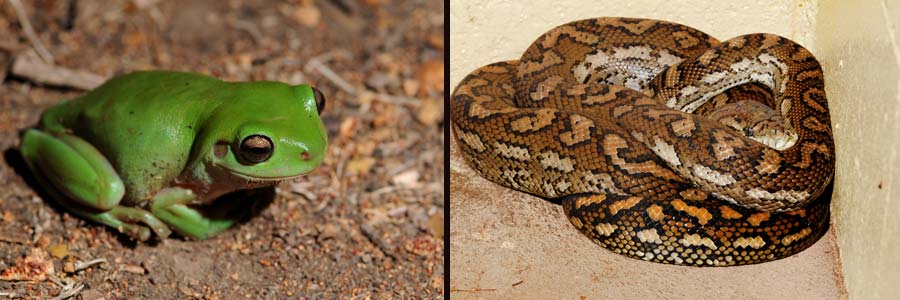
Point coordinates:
[(367, 224)]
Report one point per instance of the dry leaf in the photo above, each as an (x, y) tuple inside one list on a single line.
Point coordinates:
[(307, 15), (59, 250), (431, 76), (34, 267), (430, 112), (360, 165)]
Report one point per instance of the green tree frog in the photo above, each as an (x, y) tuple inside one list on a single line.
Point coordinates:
[(142, 152)]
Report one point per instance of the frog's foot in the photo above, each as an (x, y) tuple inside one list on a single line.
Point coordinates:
[(135, 222), (171, 206)]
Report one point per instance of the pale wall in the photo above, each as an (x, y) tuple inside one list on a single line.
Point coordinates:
[(857, 43)]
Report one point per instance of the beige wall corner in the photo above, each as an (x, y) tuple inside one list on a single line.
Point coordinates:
[(857, 42)]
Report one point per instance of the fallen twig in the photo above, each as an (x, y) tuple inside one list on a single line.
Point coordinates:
[(80, 265), (318, 64), (29, 32), (69, 288), (28, 67)]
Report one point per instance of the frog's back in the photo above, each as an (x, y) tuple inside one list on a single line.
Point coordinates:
[(143, 122)]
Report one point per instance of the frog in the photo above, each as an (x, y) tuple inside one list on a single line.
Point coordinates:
[(146, 152)]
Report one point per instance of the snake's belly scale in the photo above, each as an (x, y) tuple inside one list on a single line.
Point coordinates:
[(661, 142)]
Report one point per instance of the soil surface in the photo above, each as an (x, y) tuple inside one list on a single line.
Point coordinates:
[(367, 224)]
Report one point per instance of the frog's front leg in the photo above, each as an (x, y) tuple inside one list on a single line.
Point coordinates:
[(83, 181), (171, 206)]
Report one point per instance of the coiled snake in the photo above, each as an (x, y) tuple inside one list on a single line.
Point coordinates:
[(661, 142)]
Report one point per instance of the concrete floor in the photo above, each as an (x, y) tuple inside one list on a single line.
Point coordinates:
[(509, 245)]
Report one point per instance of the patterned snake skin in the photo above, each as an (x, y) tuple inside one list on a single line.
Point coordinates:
[(661, 142)]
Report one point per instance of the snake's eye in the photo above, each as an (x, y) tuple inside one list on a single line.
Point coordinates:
[(256, 148), (320, 100)]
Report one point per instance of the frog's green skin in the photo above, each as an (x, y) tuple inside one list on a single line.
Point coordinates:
[(142, 151)]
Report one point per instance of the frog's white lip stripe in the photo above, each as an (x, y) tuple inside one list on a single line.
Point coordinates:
[(265, 179)]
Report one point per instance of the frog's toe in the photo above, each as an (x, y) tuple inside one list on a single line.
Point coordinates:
[(136, 222)]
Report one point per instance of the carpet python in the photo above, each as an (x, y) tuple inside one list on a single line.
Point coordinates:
[(660, 142)]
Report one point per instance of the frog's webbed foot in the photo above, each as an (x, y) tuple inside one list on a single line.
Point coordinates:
[(171, 206), (78, 177)]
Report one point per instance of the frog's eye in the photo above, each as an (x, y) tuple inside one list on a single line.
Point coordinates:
[(320, 100), (256, 148)]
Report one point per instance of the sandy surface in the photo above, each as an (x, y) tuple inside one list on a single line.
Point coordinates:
[(367, 224), (509, 245)]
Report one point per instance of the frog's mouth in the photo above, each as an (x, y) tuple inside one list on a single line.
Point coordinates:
[(263, 179)]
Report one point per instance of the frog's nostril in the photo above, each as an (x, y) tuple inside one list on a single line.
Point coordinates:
[(304, 155)]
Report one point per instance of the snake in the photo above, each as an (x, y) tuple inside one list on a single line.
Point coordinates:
[(660, 142)]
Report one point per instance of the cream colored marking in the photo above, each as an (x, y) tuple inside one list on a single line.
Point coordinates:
[(666, 152), (792, 196), (701, 214), (723, 150), (688, 90), (714, 77), (726, 198), (562, 186), (542, 117), (548, 190), (655, 212), (787, 240), (753, 242), (640, 52), (648, 256), (551, 160), (623, 204), (611, 145), (683, 127), (639, 136), (511, 151), (781, 66), (473, 140), (785, 106), (581, 130), (757, 218), (601, 183), (481, 112), (545, 87), (697, 240), (770, 163), (595, 61), (667, 59), (621, 109), (649, 235), (674, 257), (510, 176), (742, 65), (605, 229), (720, 179)]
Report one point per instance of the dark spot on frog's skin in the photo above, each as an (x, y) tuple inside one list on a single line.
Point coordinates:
[(131, 112), (190, 127)]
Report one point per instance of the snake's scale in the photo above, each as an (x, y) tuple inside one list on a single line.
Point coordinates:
[(661, 142)]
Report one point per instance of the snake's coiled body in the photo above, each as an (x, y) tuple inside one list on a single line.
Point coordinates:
[(662, 143)]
